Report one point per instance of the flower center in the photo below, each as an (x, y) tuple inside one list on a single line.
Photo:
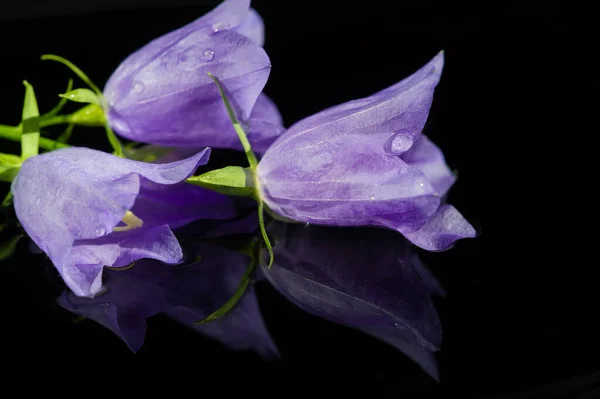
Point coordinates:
[(131, 222)]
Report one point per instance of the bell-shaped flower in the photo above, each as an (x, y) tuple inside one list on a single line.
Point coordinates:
[(162, 93), (87, 209), (366, 163)]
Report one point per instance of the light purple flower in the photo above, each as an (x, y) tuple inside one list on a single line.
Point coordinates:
[(186, 293), (162, 94), (366, 163), (362, 278), (86, 209)]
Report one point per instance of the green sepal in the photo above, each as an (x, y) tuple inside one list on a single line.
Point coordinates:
[(90, 115), (231, 180), (241, 290), (8, 247), (82, 96), (30, 140)]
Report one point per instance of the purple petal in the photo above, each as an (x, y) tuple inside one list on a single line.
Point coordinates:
[(341, 167), (429, 159), (266, 124), (180, 204), (162, 93), (357, 277), (253, 27), (440, 232), (82, 271)]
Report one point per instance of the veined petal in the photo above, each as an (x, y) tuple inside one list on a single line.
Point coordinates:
[(253, 27)]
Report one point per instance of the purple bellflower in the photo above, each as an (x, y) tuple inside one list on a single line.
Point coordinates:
[(366, 163), (162, 93), (362, 278), (87, 209), (186, 293)]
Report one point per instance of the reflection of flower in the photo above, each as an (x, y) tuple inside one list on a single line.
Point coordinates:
[(366, 163), (86, 209), (186, 293), (162, 93), (363, 278)]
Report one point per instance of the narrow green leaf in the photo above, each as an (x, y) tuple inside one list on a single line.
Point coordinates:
[(230, 304), (236, 124), (82, 96), (8, 247), (61, 103), (30, 140)]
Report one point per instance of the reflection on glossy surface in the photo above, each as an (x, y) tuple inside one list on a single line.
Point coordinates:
[(365, 278), (186, 293)]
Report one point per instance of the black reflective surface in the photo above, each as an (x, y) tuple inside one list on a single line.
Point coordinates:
[(507, 327)]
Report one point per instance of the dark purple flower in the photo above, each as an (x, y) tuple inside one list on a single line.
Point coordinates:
[(366, 163), (186, 293), (86, 209), (162, 93), (362, 278)]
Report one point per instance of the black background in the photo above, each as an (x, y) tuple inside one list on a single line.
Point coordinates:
[(511, 321)]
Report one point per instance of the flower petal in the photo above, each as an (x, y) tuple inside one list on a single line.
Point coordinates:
[(440, 232), (253, 27), (429, 159), (266, 124)]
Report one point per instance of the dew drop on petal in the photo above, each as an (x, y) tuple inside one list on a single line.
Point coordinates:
[(219, 26), (208, 55), (100, 231), (138, 87), (401, 143)]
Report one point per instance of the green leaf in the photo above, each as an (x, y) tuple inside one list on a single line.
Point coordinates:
[(81, 96), (230, 304), (8, 247), (231, 180), (9, 166), (30, 140), (236, 124)]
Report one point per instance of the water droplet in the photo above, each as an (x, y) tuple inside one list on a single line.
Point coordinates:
[(372, 198), (219, 26), (395, 324), (100, 231), (138, 87), (401, 142), (422, 184), (208, 55)]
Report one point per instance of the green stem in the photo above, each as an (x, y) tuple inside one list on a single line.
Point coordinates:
[(14, 133)]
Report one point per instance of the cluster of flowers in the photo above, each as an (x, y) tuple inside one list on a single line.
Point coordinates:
[(361, 163)]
